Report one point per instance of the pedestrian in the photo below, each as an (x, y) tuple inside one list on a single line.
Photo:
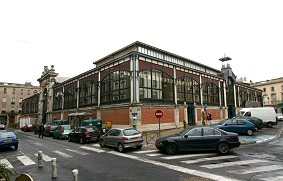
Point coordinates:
[(209, 118), (203, 116), (40, 130), (185, 124)]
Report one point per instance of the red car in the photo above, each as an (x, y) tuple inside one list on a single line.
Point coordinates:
[(28, 127)]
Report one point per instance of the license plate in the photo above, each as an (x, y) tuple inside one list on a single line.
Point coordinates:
[(7, 141), (135, 138), (93, 138)]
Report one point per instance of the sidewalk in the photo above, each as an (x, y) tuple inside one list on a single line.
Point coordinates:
[(263, 135)]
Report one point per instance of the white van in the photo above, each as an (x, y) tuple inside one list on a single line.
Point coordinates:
[(267, 114)]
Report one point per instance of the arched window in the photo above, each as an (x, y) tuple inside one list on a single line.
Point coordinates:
[(210, 94), (88, 93), (156, 85), (115, 87), (187, 90)]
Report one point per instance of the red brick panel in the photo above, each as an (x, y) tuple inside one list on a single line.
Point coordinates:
[(148, 116), (116, 116), (181, 114), (180, 74), (198, 114), (215, 113)]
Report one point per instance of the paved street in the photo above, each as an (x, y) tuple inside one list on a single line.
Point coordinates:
[(261, 161)]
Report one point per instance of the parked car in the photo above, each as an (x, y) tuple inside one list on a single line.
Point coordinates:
[(279, 117), (2, 126), (198, 139), (28, 128), (122, 138), (237, 125), (62, 131), (8, 139), (48, 131), (256, 121), (85, 134)]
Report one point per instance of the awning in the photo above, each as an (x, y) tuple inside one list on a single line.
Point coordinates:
[(280, 105), (80, 114)]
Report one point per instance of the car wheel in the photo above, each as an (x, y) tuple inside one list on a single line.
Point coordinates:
[(139, 147), (121, 147), (102, 143), (250, 132), (269, 125), (223, 148), (81, 141), (54, 137), (171, 149)]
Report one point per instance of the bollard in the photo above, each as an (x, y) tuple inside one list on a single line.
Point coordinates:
[(53, 168), (39, 158), (75, 174)]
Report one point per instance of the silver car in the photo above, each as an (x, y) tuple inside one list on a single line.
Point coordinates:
[(122, 138)]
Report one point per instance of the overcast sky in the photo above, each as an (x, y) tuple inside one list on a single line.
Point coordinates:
[(71, 35)]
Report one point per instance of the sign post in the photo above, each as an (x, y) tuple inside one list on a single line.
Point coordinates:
[(158, 115)]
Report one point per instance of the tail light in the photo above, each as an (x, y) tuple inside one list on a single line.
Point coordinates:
[(125, 138), (86, 133)]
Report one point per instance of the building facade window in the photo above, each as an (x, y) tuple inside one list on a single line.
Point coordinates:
[(115, 87), (188, 90), (5, 90), (88, 93), (13, 100), (14, 91), (28, 92), (70, 98), (57, 100), (210, 94), (156, 85), (22, 91), (264, 89), (272, 89)]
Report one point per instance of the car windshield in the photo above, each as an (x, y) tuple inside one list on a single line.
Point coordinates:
[(130, 132), (91, 129), (67, 127)]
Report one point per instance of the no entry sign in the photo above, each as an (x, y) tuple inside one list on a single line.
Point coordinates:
[(158, 114)]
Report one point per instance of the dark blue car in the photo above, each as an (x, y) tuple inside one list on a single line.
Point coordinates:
[(237, 125), (8, 139)]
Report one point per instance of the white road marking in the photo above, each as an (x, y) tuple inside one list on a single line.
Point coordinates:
[(78, 152), (96, 145), (25, 160), (154, 154), (146, 151), (62, 154), (44, 157), (278, 178), (176, 168), (6, 162), (188, 156), (228, 164), (257, 169), (209, 159), (92, 149)]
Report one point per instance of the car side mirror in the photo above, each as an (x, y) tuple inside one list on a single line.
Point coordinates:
[(186, 136)]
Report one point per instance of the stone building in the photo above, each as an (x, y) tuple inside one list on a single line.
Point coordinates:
[(272, 92), (11, 95), (129, 85)]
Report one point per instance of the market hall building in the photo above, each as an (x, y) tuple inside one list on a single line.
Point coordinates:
[(128, 86)]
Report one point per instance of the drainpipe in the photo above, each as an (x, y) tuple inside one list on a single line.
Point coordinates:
[(134, 79)]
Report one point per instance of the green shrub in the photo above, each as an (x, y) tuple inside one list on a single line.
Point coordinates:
[(5, 172)]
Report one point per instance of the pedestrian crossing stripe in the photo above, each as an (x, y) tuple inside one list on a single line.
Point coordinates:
[(278, 178), (257, 169), (154, 154), (44, 157), (209, 159), (92, 149), (6, 162), (228, 164), (146, 151), (25, 160), (78, 152), (187, 156), (62, 154), (96, 145)]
